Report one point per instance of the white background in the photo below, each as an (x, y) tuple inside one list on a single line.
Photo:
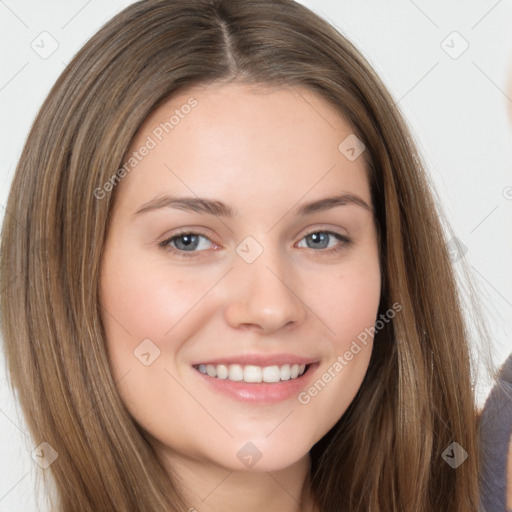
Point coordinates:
[(457, 108)]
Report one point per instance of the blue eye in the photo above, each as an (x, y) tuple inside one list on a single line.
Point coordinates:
[(322, 239), (184, 243), (187, 243)]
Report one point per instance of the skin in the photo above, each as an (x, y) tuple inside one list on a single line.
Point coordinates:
[(264, 152)]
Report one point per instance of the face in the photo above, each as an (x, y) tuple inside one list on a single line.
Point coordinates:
[(241, 244)]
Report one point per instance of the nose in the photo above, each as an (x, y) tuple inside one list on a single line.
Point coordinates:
[(263, 297)]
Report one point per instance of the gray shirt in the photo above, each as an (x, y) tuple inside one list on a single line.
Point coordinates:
[(495, 431)]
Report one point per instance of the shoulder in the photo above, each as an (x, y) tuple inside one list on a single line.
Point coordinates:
[(509, 476), (495, 428)]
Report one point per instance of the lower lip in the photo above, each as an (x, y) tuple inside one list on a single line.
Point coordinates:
[(260, 392)]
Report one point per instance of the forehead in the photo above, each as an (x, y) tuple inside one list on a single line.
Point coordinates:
[(244, 143)]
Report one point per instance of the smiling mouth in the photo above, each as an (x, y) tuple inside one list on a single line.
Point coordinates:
[(253, 373)]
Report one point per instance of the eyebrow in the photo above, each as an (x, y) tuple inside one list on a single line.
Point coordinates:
[(218, 208)]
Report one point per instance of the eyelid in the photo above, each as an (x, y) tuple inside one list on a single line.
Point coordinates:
[(329, 230), (165, 243), (343, 239), (344, 242)]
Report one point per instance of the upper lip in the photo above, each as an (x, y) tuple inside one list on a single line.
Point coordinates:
[(259, 360)]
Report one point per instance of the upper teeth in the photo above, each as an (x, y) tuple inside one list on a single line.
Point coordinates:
[(250, 373)]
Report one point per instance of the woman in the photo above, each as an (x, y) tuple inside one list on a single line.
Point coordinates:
[(180, 336)]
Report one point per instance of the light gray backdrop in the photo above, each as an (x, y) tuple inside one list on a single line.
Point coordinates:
[(446, 64)]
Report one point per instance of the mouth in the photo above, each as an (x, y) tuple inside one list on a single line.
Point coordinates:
[(252, 373), (263, 383)]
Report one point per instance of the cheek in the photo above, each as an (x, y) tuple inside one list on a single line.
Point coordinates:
[(148, 299), (147, 316), (347, 301), (348, 305), (144, 307)]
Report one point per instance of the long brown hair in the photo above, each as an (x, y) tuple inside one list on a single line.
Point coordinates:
[(385, 453)]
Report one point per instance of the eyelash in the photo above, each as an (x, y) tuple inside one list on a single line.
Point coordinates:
[(345, 242)]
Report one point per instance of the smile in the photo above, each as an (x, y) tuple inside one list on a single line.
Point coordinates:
[(265, 383), (252, 373)]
